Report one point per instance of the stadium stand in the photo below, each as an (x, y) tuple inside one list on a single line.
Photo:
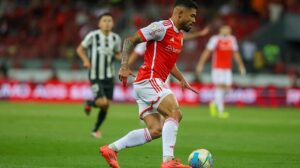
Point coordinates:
[(44, 34)]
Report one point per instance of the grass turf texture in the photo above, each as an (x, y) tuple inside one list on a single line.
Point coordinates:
[(58, 135)]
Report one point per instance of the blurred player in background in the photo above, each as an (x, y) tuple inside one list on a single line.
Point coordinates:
[(99, 49), (164, 43), (223, 46)]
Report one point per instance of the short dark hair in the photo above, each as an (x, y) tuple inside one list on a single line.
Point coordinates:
[(105, 14), (187, 4)]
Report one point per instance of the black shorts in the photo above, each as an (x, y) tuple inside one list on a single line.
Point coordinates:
[(103, 88)]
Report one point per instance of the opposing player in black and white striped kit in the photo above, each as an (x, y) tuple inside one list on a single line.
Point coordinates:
[(99, 49)]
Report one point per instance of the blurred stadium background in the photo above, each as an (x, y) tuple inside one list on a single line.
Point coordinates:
[(39, 39), (38, 61)]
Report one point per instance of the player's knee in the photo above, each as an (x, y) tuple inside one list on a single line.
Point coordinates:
[(155, 132), (180, 118), (102, 103), (176, 114)]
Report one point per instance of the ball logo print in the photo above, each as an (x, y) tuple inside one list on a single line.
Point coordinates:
[(200, 158)]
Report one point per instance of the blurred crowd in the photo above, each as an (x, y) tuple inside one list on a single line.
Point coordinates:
[(46, 31)]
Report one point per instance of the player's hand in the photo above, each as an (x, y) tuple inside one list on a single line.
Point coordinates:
[(199, 69), (124, 73), (243, 70), (186, 85), (204, 31), (87, 64)]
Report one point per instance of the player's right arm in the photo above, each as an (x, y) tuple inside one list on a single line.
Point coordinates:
[(81, 50), (138, 51), (83, 56), (129, 43), (132, 58), (211, 45), (155, 31)]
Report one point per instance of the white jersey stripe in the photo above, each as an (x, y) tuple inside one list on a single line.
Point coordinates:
[(153, 59), (94, 52), (102, 66), (109, 67)]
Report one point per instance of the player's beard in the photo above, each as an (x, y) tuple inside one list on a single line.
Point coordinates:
[(186, 27)]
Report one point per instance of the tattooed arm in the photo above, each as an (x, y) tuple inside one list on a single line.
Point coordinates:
[(129, 43)]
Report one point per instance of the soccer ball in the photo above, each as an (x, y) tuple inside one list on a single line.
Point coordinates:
[(200, 158)]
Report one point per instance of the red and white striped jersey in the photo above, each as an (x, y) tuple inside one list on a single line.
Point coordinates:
[(223, 48), (164, 43)]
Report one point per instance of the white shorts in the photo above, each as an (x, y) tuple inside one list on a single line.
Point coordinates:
[(222, 76), (149, 94)]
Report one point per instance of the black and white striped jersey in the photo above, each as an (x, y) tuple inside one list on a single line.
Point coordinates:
[(101, 50)]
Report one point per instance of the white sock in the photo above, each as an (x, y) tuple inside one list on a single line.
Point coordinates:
[(219, 99), (169, 134), (133, 138)]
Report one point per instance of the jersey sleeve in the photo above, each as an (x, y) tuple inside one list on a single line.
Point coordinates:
[(87, 40), (212, 43), (140, 48), (117, 47), (155, 31), (235, 46)]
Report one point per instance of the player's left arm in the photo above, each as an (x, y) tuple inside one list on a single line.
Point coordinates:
[(118, 56), (178, 75), (239, 61), (199, 33)]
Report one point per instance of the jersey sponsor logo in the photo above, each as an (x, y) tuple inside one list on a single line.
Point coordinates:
[(172, 39), (170, 48)]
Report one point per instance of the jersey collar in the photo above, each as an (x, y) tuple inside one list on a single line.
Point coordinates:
[(104, 34), (174, 27)]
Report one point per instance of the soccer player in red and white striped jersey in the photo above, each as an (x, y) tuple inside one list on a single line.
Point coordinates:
[(154, 98), (223, 47)]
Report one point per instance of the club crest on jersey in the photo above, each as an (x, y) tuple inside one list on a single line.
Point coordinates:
[(225, 45)]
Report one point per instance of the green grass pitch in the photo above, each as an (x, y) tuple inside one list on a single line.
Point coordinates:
[(58, 136)]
